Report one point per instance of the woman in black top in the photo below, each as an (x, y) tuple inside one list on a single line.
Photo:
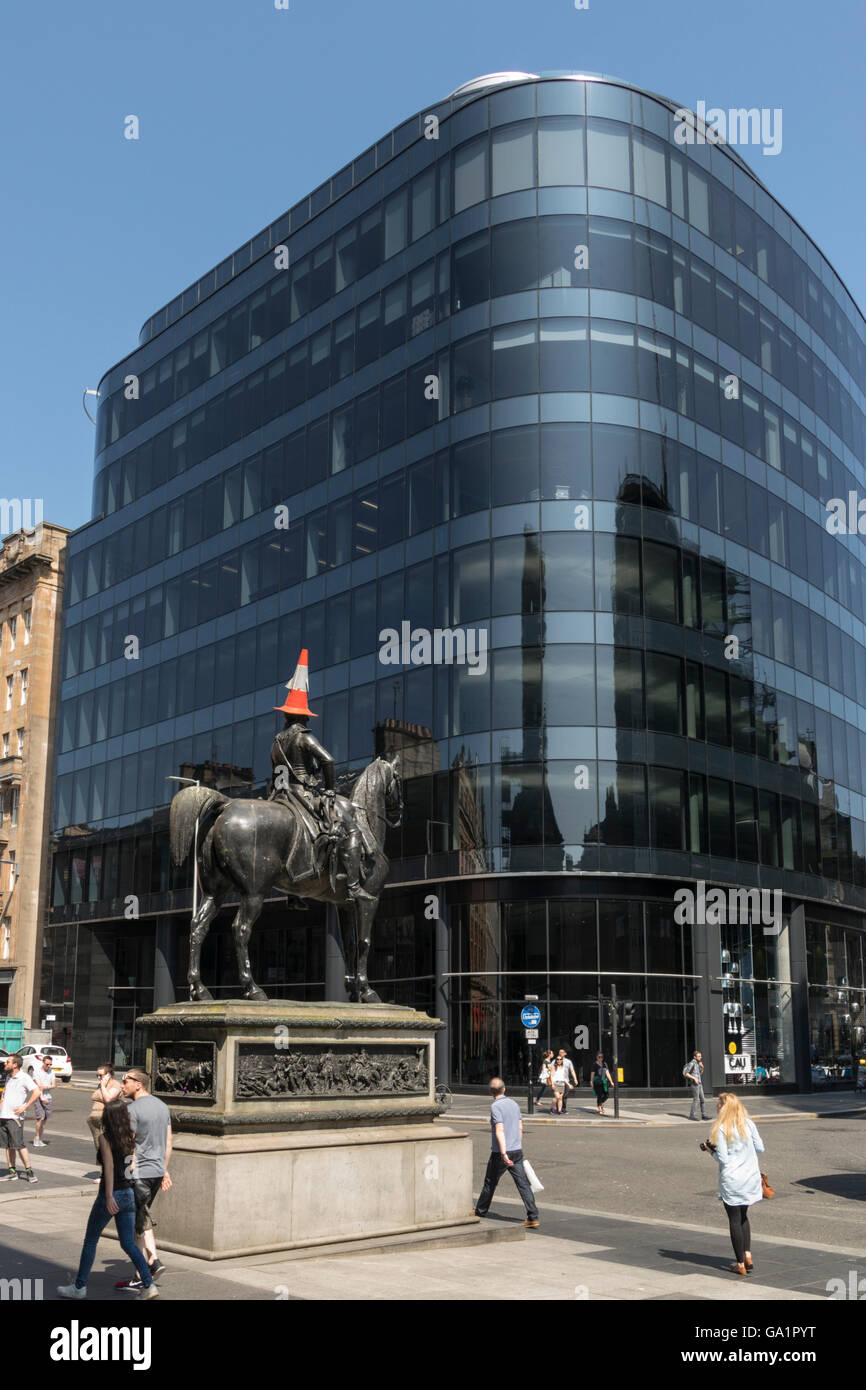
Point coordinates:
[(115, 1198), (601, 1079)]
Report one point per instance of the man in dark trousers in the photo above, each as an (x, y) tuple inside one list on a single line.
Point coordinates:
[(506, 1146), (151, 1121), (693, 1071)]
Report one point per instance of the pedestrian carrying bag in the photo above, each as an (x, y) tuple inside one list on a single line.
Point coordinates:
[(532, 1176), (766, 1190)]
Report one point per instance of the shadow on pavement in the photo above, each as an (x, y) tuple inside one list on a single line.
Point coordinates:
[(715, 1263), (849, 1185), (19, 1264)]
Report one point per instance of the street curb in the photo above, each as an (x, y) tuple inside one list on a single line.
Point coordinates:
[(46, 1192)]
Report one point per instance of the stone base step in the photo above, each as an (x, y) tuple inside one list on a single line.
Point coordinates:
[(475, 1233)]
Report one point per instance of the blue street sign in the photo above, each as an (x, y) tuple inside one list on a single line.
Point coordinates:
[(530, 1016)]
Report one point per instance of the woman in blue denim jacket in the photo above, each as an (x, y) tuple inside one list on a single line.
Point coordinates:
[(735, 1144)]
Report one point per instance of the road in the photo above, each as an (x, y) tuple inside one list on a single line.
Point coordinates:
[(629, 1211)]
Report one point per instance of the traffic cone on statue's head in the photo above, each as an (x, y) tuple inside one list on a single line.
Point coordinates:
[(296, 700)]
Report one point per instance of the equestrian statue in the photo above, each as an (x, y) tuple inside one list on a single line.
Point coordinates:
[(307, 841)]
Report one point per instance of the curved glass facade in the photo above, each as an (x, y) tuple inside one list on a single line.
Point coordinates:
[(577, 397)]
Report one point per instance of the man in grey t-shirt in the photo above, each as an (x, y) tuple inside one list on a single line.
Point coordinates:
[(693, 1071), (506, 1144), (151, 1121)]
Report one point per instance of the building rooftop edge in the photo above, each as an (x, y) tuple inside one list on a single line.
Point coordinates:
[(501, 80)]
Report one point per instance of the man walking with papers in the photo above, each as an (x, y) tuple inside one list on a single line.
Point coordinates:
[(506, 1125)]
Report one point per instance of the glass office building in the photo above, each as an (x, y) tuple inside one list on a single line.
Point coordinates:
[(534, 373)]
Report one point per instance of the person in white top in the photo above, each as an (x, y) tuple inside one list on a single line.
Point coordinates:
[(570, 1076), (46, 1081), (544, 1075), (19, 1093), (559, 1081)]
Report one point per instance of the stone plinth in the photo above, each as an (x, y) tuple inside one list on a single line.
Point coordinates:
[(300, 1125)]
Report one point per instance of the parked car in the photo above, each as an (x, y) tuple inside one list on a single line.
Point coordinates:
[(61, 1063)]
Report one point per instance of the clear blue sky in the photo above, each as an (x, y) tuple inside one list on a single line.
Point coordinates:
[(244, 109)]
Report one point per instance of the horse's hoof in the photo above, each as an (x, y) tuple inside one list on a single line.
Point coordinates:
[(199, 994), (369, 996), (255, 993)]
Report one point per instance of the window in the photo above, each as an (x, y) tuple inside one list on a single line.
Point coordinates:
[(5, 745), (558, 241), (514, 257), (650, 180), (423, 205), (7, 938), (513, 158), (613, 358), (564, 355), (470, 174), (396, 222), (515, 359), (608, 150), (23, 700), (560, 151), (611, 255), (471, 277), (16, 792), (9, 680), (13, 630)]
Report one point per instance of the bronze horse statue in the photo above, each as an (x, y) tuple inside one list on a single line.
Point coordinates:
[(246, 849)]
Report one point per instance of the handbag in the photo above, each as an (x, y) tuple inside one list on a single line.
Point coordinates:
[(766, 1190), (532, 1176)]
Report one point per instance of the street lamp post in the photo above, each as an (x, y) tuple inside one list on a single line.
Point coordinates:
[(192, 782)]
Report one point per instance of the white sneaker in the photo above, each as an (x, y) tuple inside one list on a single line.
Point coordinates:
[(70, 1291), (38, 1144)]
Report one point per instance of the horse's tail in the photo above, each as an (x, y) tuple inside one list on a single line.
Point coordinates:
[(187, 806)]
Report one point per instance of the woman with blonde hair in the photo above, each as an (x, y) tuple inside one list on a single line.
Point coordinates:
[(735, 1144)]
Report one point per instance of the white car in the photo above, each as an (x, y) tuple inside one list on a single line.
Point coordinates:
[(32, 1060)]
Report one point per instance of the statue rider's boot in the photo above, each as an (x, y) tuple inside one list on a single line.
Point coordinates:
[(357, 893), (352, 862)]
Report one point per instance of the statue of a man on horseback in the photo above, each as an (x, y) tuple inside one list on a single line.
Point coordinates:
[(303, 779), (305, 840)]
